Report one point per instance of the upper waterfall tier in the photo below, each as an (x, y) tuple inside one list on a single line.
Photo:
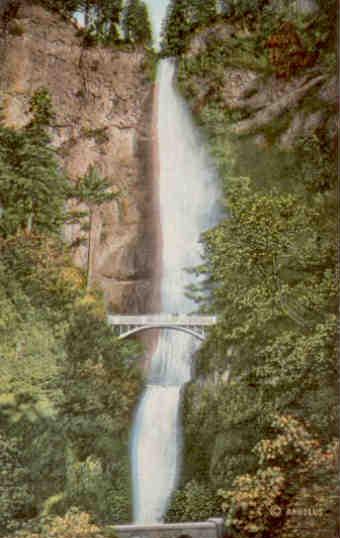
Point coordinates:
[(188, 192)]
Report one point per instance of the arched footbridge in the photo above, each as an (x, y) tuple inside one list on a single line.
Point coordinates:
[(130, 325)]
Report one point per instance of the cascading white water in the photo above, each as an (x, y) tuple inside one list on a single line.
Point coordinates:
[(188, 205)]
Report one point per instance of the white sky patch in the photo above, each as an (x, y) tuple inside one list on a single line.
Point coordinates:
[(80, 18), (157, 11)]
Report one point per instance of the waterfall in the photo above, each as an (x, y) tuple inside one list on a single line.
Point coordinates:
[(188, 205)]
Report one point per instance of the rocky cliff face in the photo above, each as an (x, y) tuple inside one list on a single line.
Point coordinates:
[(263, 105), (103, 101)]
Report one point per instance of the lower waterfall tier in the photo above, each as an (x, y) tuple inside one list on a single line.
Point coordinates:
[(155, 449)]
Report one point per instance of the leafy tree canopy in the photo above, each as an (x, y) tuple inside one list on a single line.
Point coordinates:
[(68, 387)]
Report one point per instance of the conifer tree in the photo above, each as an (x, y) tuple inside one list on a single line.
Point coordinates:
[(94, 191), (107, 17), (113, 13), (177, 26), (203, 11), (66, 7), (136, 23), (32, 187), (33, 190)]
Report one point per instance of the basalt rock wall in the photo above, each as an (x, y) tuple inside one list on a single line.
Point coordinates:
[(102, 97)]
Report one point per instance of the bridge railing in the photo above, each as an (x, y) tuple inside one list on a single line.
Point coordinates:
[(162, 319)]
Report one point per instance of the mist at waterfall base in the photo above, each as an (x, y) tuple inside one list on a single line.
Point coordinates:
[(188, 197)]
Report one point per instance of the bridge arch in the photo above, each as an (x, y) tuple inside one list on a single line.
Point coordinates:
[(179, 328)]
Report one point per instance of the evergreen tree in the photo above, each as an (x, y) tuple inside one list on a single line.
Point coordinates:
[(92, 189), (204, 11), (240, 8), (177, 26), (32, 187), (66, 7), (106, 18), (113, 11), (33, 190), (102, 17), (136, 23), (183, 16)]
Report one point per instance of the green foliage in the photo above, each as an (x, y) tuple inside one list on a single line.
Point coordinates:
[(102, 20), (42, 108), (99, 491), (244, 8), (200, 416), (114, 22), (195, 502), (203, 12), (99, 134), (34, 191), (277, 248), (149, 65), (270, 274), (92, 188), (15, 497), (256, 23), (182, 18), (74, 524), (65, 7), (32, 187), (175, 28), (219, 55), (136, 23), (107, 20), (294, 475), (102, 17), (68, 387), (70, 412)]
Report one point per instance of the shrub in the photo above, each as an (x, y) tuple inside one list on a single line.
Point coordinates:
[(194, 502), (295, 474)]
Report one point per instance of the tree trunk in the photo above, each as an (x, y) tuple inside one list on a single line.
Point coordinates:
[(90, 251), (29, 224), (87, 15)]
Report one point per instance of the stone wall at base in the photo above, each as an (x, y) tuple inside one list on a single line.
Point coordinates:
[(213, 528)]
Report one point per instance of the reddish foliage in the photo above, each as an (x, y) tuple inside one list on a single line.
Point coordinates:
[(287, 53)]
